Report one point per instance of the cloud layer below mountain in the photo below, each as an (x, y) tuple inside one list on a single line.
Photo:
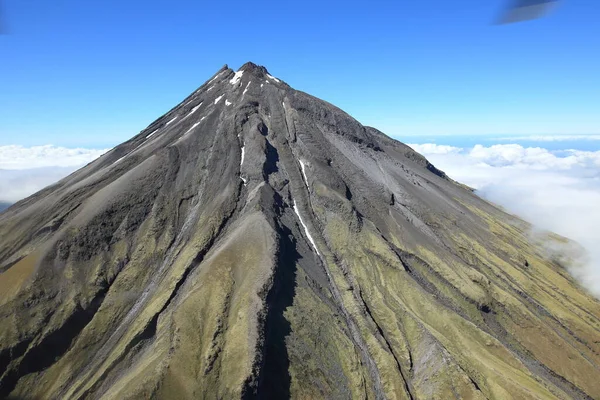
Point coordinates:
[(555, 190), (25, 170), (548, 138), (19, 157)]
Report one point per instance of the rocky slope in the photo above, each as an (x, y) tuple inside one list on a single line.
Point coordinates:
[(257, 242)]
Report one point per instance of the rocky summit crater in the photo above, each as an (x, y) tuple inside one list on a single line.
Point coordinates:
[(257, 242)]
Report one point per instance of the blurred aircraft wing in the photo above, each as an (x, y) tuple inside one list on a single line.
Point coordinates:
[(524, 10)]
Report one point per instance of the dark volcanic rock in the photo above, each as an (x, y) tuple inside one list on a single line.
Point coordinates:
[(258, 242)]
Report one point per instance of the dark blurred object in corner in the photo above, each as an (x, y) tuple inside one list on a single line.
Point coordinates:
[(525, 10)]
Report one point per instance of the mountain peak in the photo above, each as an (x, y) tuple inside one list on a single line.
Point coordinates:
[(257, 242), (255, 69)]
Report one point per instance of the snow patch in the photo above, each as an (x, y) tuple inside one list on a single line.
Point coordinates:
[(227, 102), (303, 167), (195, 109), (215, 77), (192, 111), (219, 98), (187, 133), (306, 232), (242, 162), (245, 90), (171, 121), (261, 85), (148, 137), (272, 77), (267, 81), (236, 77), (210, 88), (193, 126)]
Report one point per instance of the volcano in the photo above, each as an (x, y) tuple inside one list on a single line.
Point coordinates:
[(257, 242)]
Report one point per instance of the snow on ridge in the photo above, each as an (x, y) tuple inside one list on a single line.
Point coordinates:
[(242, 162), (236, 77), (193, 126), (245, 90), (219, 98), (303, 167), (227, 102), (306, 231), (273, 78), (215, 77), (195, 109), (121, 159), (192, 111), (168, 123), (187, 133), (148, 137)]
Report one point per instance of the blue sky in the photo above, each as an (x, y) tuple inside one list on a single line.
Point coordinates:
[(94, 73)]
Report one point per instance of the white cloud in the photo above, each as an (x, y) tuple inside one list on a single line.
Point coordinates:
[(548, 138), (25, 170), (20, 157), (432, 148), (18, 184), (555, 190), (534, 157)]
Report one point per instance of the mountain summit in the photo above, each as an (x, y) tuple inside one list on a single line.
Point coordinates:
[(257, 242)]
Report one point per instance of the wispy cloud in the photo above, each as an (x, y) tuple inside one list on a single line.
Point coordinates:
[(18, 184), (557, 191), (20, 157), (432, 148), (546, 138), (25, 170)]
